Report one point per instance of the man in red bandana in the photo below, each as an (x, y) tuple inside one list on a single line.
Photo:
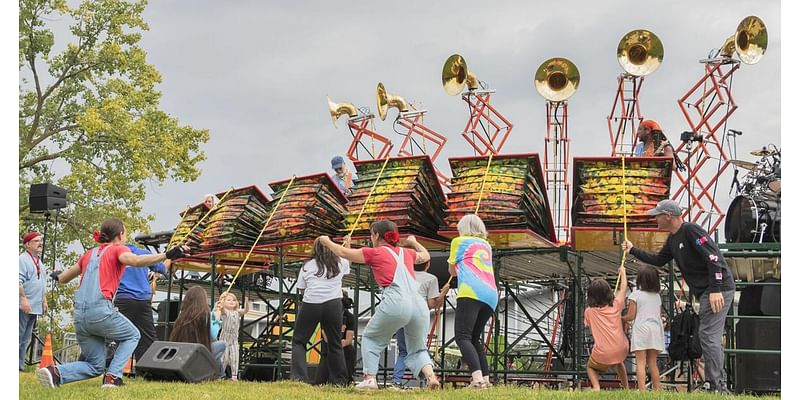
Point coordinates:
[(32, 302)]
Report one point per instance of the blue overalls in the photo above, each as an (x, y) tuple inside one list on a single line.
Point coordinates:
[(97, 321), (400, 307)]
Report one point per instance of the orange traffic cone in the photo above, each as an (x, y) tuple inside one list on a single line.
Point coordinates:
[(47, 353), (128, 369)]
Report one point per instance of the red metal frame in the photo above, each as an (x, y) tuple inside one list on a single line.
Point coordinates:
[(361, 131), (481, 110), (624, 113), (413, 123), (557, 169), (700, 108)]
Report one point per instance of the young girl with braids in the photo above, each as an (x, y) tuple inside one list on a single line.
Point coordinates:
[(228, 312), (401, 305)]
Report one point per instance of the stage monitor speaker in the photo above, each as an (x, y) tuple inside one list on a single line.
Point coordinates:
[(175, 361), (758, 373), (173, 306), (46, 196)]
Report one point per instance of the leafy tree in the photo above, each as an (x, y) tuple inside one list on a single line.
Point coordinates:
[(89, 119)]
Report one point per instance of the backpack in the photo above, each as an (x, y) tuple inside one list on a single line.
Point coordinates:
[(684, 338)]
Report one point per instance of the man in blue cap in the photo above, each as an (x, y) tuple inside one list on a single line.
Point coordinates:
[(343, 178), (704, 268)]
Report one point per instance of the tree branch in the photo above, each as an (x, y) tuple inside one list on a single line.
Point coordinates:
[(51, 156)]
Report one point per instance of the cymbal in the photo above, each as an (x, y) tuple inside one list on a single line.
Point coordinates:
[(763, 152), (744, 164)]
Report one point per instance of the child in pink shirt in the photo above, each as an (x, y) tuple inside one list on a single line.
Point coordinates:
[(603, 316)]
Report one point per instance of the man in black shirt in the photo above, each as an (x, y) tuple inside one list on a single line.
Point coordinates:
[(704, 268)]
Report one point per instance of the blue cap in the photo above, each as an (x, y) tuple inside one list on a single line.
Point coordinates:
[(337, 162)]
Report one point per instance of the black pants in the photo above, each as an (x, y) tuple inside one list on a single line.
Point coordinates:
[(140, 313), (471, 317), (329, 315), (323, 371)]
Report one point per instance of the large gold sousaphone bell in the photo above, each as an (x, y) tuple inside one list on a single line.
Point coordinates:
[(386, 100), (338, 109), (455, 74), (557, 79), (749, 41), (640, 52)]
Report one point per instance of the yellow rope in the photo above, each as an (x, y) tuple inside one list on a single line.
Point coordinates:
[(183, 218), (363, 206), (485, 174), (624, 219), (277, 205), (204, 216)]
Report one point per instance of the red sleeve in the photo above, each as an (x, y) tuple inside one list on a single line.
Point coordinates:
[(118, 250), (369, 254), (84, 260)]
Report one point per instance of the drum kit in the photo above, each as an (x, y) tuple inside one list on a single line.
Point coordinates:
[(754, 216)]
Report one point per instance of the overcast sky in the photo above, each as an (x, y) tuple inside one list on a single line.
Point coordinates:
[(256, 74)]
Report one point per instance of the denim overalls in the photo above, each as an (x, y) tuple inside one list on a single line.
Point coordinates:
[(97, 321), (400, 307)]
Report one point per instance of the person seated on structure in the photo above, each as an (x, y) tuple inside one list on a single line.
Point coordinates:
[(652, 141), (343, 177), (210, 201)]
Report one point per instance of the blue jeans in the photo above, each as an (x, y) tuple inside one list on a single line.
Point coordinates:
[(26, 322), (217, 349), (94, 323), (400, 362)]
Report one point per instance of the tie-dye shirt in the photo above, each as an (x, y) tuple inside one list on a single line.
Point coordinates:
[(472, 257)]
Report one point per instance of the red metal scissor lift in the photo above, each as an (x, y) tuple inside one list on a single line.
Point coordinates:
[(625, 114), (706, 107), (485, 124), (360, 131)]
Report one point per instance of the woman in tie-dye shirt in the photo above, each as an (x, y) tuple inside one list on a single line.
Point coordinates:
[(471, 262)]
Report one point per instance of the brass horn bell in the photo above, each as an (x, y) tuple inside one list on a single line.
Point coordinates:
[(749, 41), (640, 52), (338, 109), (386, 100), (455, 74), (557, 79)]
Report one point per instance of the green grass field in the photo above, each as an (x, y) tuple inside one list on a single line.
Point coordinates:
[(138, 389)]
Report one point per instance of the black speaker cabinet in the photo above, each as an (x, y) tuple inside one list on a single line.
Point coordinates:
[(46, 196), (758, 373), (175, 361)]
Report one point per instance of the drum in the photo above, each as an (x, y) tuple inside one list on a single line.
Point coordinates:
[(775, 185), (745, 216)]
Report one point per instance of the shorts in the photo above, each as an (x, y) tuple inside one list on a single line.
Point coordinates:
[(601, 368)]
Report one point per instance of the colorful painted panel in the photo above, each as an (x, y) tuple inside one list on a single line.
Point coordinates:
[(237, 220), (598, 190), (407, 193), (313, 206), (184, 234), (513, 196)]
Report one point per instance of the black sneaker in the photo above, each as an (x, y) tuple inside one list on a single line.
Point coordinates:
[(111, 381), (705, 387), (49, 376)]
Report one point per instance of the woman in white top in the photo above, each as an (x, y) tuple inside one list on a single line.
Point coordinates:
[(647, 336), (321, 277)]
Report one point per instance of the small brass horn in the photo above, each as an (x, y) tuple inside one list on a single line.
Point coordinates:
[(749, 41), (557, 79), (386, 100), (455, 74), (338, 109), (640, 52)]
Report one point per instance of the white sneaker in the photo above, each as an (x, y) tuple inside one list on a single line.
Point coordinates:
[(367, 384), (477, 385)]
